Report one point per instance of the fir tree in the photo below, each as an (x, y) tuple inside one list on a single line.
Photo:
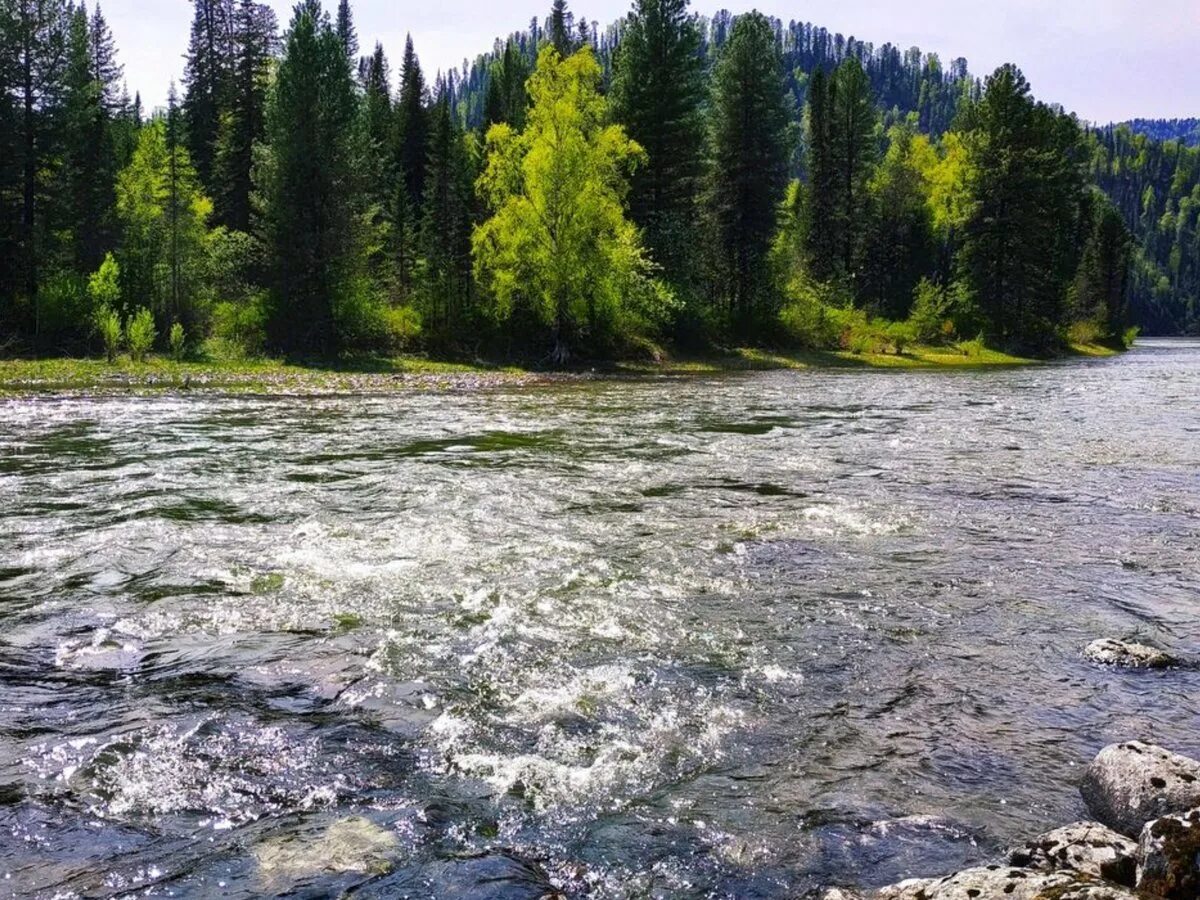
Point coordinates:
[(658, 95), (750, 149), (206, 81)]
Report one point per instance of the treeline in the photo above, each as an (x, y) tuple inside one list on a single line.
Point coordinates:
[(576, 193), (1156, 187), (1186, 131)]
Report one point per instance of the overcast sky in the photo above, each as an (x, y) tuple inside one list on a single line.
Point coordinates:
[(1104, 59)]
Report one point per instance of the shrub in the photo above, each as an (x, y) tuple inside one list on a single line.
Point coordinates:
[(104, 287), (931, 317), (141, 334), (240, 328), (1085, 332), (972, 349), (1130, 336), (178, 342), (807, 324), (108, 326), (902, 336)]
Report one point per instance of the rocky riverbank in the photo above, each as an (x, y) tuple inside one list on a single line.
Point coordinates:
[(1144, 842)]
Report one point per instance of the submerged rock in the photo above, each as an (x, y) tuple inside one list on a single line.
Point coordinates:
[(1007, 883), (1110, 652), (1088, 848), (1169, 854), (1131, 784), (350, 845)]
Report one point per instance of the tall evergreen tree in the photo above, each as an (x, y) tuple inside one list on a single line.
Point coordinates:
[(346, 33), (89, 158), (1025, 186), (206, 81), (1102, 283), (309, 185), (38, 37), (243, 124), (750, 149), (446, 225), (561, 28), (658, 95), (821, 221), (106, 71), (856, 148), (411, 158)]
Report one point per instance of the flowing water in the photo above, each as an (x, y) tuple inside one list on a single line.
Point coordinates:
[(736, 636)]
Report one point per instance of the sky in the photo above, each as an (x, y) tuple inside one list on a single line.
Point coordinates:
[(1107, 60)]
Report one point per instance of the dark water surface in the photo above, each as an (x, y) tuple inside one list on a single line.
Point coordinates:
[(713, 637)]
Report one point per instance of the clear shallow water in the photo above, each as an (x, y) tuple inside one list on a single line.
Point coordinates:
[(728, 637)]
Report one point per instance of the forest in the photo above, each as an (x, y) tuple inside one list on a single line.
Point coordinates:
[(574, 194)]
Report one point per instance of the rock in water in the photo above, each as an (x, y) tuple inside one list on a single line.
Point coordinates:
[(1131, 784), (1111, 652), (1170, 857), (1007, 883), (1088, 848), (350, 845)]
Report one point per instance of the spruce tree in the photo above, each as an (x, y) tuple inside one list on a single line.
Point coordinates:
[(206, 81), (750, 149), (658, 95), (106, 71), (855, 145), (347, 34), (560, 29), (411, 158), (243, 124), (310, 186), (1102, 283)]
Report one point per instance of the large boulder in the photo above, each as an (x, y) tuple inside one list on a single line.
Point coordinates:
[(1131, 784), (1088, 848), (1007, 883), (1169, 852), (1126, 655)]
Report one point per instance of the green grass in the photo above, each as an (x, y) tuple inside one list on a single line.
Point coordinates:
[(375, 373)]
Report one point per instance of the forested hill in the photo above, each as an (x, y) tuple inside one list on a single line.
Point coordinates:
[(1150, 168), (1184, 130)]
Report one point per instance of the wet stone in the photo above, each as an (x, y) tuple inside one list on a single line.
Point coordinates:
[(1000, 882), (1088, 848), (489, 876), (350, 845), (1169, 853), (1126, 655), (1131, 784)]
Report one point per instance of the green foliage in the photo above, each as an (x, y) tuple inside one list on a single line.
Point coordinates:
[(108, 326), (178, 342), (558, 241), (104, 287), (750, 146), (240, 326), (141, 334), (658, 95)]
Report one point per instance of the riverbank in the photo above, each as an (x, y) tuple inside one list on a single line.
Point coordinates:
[(386, 374)]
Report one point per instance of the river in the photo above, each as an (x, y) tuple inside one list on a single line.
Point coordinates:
[(734, 636)]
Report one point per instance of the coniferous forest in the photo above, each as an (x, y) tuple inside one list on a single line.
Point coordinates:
[(576, 193)]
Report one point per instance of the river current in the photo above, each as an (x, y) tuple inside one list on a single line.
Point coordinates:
[(736, 636)]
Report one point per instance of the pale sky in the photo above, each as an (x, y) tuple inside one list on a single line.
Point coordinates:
[(1104, 59)]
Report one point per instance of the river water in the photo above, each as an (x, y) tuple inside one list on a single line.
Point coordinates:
[(737, 636)]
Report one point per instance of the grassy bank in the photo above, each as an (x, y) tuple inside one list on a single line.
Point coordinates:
[(378, 374)]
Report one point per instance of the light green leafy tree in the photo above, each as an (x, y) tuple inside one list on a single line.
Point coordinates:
[(559, 239)]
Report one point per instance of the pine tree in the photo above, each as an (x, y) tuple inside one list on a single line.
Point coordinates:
[(411, 158), (106, 71), (310, 186), (1025, 186), (560, 29), (446, 226), (658, 95), (347, 34), (89, 158), (206, 81), (243, 123), (822, 227), (855, 142), (1102, 283), (750, 149)]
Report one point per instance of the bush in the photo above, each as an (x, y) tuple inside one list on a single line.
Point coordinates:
[(108, 326), (972, 349), (62, 306), (178, 342), (1130, 336), (1085, 332), (808, 325), (141, 334), (240, 328), (104, 287), (902, 335), (932, 313)]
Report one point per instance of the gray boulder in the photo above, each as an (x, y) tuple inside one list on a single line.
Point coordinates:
[(1131, 784), (1126, 655), (1007, 883), (1169, 851), (1088, 848)]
